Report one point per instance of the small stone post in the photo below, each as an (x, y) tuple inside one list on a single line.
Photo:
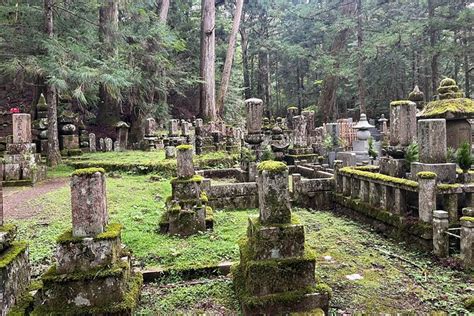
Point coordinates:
[(346, 185), (274, 197), (440, 238), (467, 241), (254, 115), (92, 143), (185, 161), (337, 176), (89, 202), (426, 195), (1, 203)]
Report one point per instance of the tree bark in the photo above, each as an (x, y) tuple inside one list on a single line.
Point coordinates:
[(53, 154), (327, 99), (109, 108), (245, 63), (208, 110), (229, 57), (164, 9), (433, 41), (361, 58)]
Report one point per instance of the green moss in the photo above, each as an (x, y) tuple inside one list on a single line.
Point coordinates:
[(378, 176), (460, 106), (11, 253), (368, 168), (426, 175), (87, 172), (8, 228), (400, 103), (204, 197), (447, 187), (195, 178), (323, 288), (469, 303), (23, 304), (272, 166), (112, 231), (447, 82), (467, 219), (184, 147)]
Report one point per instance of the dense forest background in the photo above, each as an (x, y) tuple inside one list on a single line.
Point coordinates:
[(122, 59)]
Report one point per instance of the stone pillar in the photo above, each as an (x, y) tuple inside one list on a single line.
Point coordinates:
[(364, 194), (170, 152), (21, 123), (432, 140), (402, 123), (101, 144), (254, 115), (150, 127), (440, 236), (400, 204), (355, 188), (426, 195), (185, 161), (92, 143), (383, 197), (299, 135), (338, 176), (467, 241), (451, 206), (291, 112), (310, 124), (1, 203), (346, 185), (374, 195), (273, 194), (109, 144), (89, 203)]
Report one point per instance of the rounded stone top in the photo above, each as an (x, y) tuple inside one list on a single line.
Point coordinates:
[(467, 211), (440, 214), (449, 109), (363, 123), (184, 147), (87, 172), (447, 82), (416, 95), (121, 124), (272, 166), (42, 105), (254, 101), (382, 118), (402, 103)]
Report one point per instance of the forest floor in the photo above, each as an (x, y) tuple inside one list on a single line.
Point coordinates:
[(367, 272)]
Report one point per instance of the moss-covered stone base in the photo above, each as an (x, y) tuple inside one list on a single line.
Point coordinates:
[(7, 236), (14, 274)]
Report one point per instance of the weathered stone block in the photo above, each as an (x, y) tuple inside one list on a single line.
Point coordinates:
[(14, 275), (83, 254), (21, 148), (187, 222), (440, 238), (445, 172), (186, 188), (274, 242), (69, 141), (21, 128), (402, 123), (88, 200), (12, 171), (185, 167), (274, 197), (467, 242), (254, 115), (432, 140)]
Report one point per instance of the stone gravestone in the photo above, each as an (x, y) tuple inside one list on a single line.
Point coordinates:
[(276, 271), (101, 144), (109, 145), (117, 146), (402, 123), (173, 128), (187, 212), (254, 115), (92, 143), (21, 128), (90, 257), (150, 127)]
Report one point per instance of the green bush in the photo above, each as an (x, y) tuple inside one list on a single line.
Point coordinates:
[(412, 153), (464, 157)]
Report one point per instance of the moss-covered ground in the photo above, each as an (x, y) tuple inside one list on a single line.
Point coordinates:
[(394, 277)]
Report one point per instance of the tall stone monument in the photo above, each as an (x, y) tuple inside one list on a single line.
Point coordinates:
[(186, 211), (276, 270), (92, 274)]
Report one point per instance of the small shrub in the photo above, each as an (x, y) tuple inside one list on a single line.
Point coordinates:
[(372, 152), (412, 153), (328, 142), (464, 157)]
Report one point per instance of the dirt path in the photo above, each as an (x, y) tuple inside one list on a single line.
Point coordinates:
[(15, 199)]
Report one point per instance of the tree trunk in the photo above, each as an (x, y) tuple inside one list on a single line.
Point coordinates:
[(467, 73), (164, 9), (208, 110), (109, 108), (245, 64), (433, 41), (53, 154), (229, 57), (361, 59), (327, 99)]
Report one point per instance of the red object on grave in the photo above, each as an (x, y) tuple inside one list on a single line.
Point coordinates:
[(14, 110)]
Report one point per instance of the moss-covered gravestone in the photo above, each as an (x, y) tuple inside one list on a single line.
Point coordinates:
[(186, 210), (92, 274), (14, 264), (276, 270)]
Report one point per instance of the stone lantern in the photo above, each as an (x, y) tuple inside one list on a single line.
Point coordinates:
[(361, 145), (122, 135)]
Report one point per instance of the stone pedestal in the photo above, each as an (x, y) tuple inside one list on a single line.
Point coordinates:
[(402, 123), (426, 196), (186, 212), (440, 236), (92, 274), (432, 140), (445, 172), (276, 270), (467, 241)]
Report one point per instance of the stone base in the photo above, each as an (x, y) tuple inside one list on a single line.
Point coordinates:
[(187, 222), (90, 294), (301, 151), (14, 275), (446, 172), (69, 141), (84, 254), (290, 159), (7, 236)]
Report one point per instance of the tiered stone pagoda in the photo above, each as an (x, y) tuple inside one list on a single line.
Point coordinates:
[(186, 210), (92, 274), (14, 264), (276, 270), (22, 165)]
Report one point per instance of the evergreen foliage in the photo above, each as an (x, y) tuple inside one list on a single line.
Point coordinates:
[(464, 157)]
